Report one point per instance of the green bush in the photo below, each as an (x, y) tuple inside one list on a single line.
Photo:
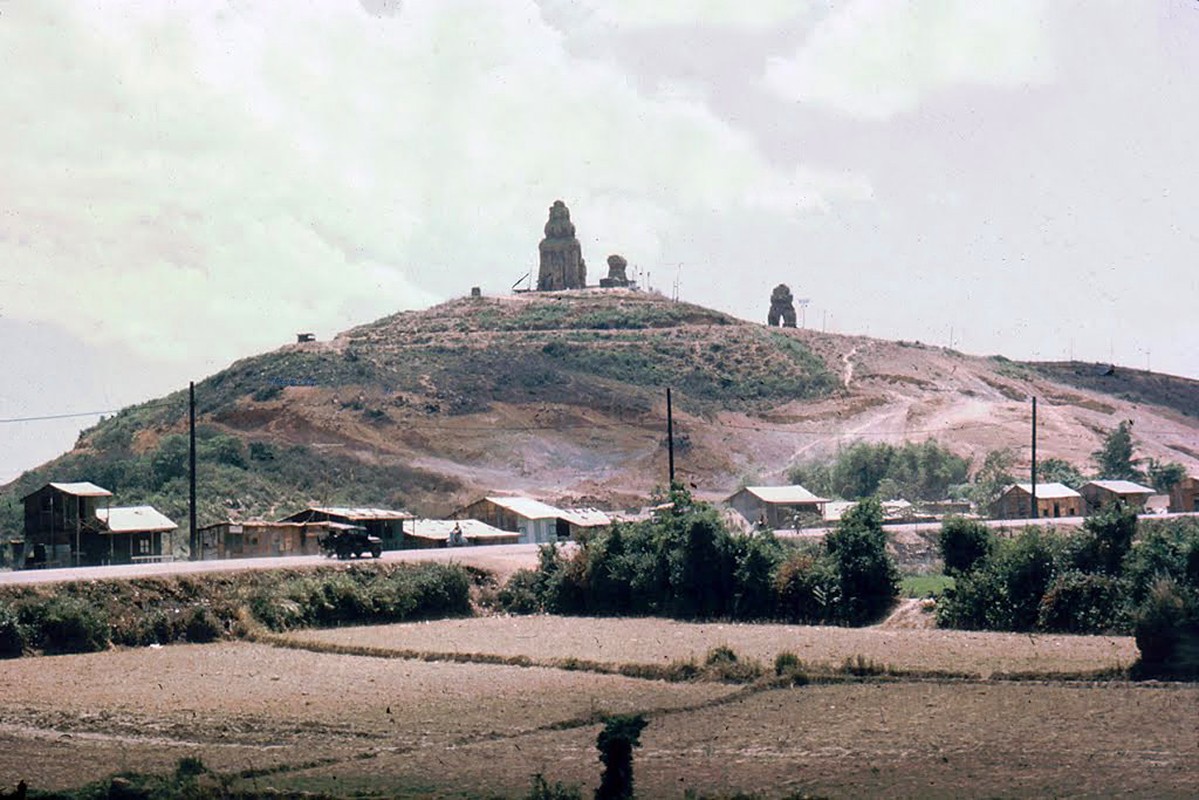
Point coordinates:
[(69, 625), (1082, 602), (520, 593), (964, 543), (203, 625), (807, 589), (1167, 632), (12, 638)]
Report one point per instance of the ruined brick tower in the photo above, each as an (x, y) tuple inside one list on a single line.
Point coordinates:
[(562, 265)]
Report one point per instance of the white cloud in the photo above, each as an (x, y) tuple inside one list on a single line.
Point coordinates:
[(726, 13), (877, 58), (209, 178)]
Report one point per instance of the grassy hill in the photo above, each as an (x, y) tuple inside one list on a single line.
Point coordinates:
[(562, 394)]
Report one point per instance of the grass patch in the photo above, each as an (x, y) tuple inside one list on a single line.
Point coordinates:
[(921, 586)]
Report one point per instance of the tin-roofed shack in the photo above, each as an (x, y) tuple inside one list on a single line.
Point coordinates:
[(535, 521), (1053, 500), (386, 523), (776, 506), (136, 533), (72, 524), (1100, 494), (261, 539), (425, 533)]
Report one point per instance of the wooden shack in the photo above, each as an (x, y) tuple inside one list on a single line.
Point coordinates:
[(61, 526), (136, 534), (776, 506), (1183, 494), (386, 523), (1053, 500), (1100, 494), (535, 521), (426, 533), (260, 539)]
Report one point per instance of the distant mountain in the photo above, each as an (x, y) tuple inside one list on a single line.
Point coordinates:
[(562, 395)]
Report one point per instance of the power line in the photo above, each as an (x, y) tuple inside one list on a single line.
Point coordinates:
[(76, 414)]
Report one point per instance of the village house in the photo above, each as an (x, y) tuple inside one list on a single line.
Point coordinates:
[(1053, 500), (136, 534), (535, 521), (1100, 494), (72, 524), (776, 506), (261, 539), (580, 520), (386, 523), (1183, 493), (61, 527), (425, 533)]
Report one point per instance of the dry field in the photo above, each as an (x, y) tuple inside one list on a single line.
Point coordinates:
[(658, 641), (295, 719)]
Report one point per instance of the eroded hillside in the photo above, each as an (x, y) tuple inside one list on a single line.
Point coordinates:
[(563, 395)]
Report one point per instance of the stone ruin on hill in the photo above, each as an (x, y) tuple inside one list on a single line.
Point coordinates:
[(782, 307), (616, 273), (562, 265)]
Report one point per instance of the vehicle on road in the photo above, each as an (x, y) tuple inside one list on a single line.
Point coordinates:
[(345, 544)]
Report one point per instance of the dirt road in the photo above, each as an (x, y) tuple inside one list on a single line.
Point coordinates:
[(502, 560)]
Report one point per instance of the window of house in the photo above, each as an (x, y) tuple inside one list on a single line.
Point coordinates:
[(143, 546)]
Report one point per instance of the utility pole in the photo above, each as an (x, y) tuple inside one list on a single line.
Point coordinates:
[(1034, 457), (670, 436), (193, 541)]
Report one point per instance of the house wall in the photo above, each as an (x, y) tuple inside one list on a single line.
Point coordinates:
[(1017, 504), (1098, 497), (247, 540), (1183, 494), (532, 531)]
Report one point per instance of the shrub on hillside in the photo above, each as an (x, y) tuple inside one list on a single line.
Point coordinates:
[(12, 638), (69, 625), (203, 625)]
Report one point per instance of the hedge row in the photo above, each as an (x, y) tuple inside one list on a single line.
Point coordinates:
[(89, 616)]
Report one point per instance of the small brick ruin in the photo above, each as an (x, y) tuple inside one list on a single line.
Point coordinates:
[(782, 307)]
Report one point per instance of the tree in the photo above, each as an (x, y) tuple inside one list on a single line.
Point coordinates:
[(992, 477), (867, 575), (964, 543), (621, 733), (1114, 458), (1166, 476), (1057, 470)]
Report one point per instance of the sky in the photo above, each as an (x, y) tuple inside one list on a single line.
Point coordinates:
[(186, 183)]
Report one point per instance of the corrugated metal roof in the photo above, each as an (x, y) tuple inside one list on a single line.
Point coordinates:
[(786, 495), (81, 489), (361, 513), (527, 507), (1048, 491), (135, 519), (440, 529), (586, 517), (1121, 487)]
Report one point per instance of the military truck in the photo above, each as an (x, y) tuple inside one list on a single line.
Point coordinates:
[(350, 543)]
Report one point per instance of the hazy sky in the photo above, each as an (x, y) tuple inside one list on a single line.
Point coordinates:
[(186, 183)]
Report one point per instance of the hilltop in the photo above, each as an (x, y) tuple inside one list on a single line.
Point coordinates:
[(563, 395)]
